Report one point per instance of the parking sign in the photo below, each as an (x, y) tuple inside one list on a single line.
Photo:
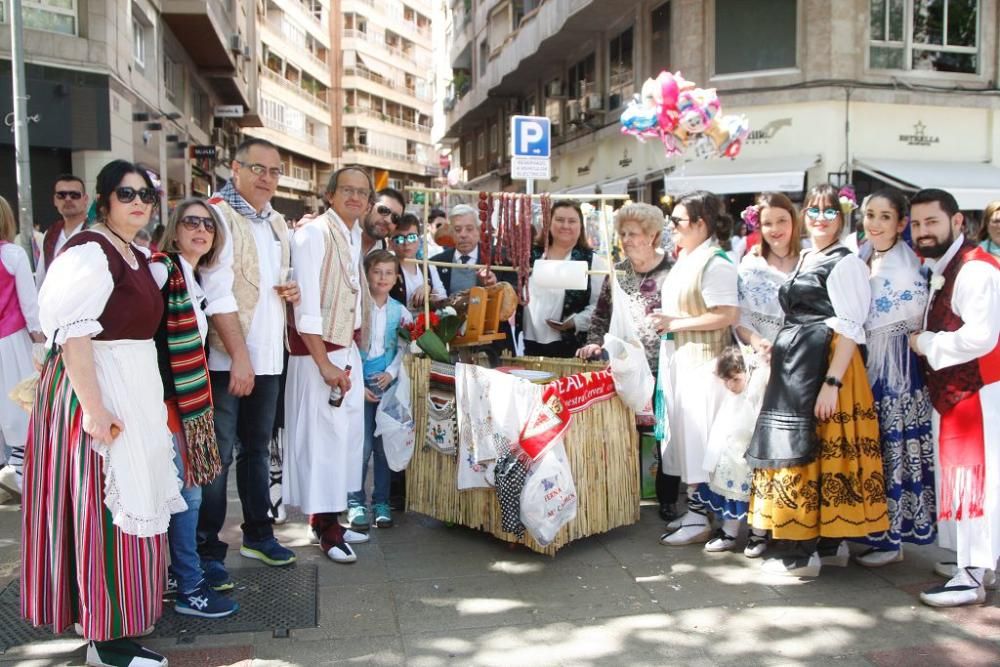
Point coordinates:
[(530, 151)]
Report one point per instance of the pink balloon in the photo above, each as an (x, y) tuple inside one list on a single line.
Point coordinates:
[(668, 89)]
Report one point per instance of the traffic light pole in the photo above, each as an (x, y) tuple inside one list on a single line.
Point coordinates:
[(20, 127)]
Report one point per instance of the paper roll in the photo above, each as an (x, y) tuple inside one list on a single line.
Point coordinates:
[(559, 274)]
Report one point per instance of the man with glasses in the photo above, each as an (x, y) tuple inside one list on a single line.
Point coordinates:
[(382, 219), (70, 198), (246, 292)]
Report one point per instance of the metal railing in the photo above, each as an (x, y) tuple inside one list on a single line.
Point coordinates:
[(382, 152), (319, 100), (294, 49), (297, 133), (379, 40), (395, 82), (398, 19), (387, 118)]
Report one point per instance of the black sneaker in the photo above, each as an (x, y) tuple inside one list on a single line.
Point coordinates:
[(122, 653), (205, 602), (668, 512), (170, 589)]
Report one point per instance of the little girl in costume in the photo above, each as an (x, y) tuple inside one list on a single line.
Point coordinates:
[(727, 493)]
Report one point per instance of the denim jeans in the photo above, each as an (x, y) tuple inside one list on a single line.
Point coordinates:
[(182, 532), (245, 425), (381, 473)]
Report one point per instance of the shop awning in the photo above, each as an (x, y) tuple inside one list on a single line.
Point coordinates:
[(617, 187), (723, 176), (580, 190), (974, 184)]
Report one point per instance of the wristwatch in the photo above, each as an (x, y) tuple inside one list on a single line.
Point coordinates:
[(833, 382)]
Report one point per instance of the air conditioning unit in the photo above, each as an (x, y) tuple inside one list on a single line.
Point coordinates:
[(236, 43), (247, 52), (593, 102), (554, 89)]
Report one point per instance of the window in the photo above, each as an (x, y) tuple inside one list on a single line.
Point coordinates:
[(494, 139), (773, 26), (927, 35), (621, 78), (301, 173), (581, 77), (138, 42), (660, 43), (484, 56), (48, 15), (481, 146), (201, 111), (173, 80), (467, 153)]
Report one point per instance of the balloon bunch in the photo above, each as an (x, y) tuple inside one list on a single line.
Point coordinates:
[(683, 116)]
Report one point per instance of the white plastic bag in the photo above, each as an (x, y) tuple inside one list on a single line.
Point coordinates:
[(548, 501), (394, 423), (634, 381)]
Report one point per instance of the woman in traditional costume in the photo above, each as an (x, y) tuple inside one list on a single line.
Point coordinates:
[(899, 297), (700, 303), (818, 466), (96, 500), (762, 271)]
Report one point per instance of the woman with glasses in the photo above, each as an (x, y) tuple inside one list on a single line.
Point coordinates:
[(640, 275), (989, 230), (899, 297), (815, 448), (700, 305), (412, 290), (192, 239), (99, 479), (556, 321)]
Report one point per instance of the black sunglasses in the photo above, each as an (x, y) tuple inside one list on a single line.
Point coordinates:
[(193, 222), (69, 194), (382, 209), (127, 195)]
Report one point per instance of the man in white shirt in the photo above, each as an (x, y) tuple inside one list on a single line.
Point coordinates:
[(246, 292), (69, 195)]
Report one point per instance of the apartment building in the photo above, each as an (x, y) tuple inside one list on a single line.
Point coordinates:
[(131, 79), (295, 99), (899, 92), (385, 86)]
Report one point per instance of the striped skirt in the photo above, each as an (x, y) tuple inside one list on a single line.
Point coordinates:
[(76, 565)]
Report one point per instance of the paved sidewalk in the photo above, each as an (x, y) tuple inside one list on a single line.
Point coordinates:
[(423, 594)]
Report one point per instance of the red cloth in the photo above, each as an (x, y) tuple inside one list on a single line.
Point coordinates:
[(561, 399)]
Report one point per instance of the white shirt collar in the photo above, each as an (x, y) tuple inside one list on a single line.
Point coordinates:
[(941, 263), (473, 256)]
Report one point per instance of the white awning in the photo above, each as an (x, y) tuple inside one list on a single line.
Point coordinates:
[(973, 184), (723, 176), (618, 187), (580, 190), (374, 66)]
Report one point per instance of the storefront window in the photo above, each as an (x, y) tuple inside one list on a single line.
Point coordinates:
[(925, 35), (773, 25)]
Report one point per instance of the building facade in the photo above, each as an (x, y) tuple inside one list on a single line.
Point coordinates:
[(131, 79), (873, 92), (385, 86)]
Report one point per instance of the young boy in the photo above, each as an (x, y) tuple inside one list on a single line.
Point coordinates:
[(381, 364)]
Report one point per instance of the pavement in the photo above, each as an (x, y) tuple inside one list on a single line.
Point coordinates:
[(424, 594)]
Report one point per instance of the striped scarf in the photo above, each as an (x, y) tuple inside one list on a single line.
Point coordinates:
[(189, 374)]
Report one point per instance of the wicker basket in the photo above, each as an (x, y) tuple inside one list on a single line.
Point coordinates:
[(601, 443)]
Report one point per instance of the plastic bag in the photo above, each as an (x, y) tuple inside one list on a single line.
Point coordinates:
[(394, 423), (634, 381), (548, 501)]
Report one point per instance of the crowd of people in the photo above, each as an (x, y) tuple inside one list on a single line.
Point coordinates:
[(815, 390)]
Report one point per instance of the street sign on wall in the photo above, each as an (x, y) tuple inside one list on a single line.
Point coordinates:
[(229, 111), (531, 147)]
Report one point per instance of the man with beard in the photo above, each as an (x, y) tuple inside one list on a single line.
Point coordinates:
[(381, 220), (70, 198), (961, 359)]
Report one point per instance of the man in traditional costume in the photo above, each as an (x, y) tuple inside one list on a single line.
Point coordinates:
[(961, 358), (324, 394), (69, 196)]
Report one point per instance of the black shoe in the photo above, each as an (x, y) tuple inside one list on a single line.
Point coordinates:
[(668, 512), (397, 503)]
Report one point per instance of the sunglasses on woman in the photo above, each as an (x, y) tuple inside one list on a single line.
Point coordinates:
[(384, 210), (400, 239), (193, 222), (127, 195), (828, 214)]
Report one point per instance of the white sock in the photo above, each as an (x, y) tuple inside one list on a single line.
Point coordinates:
[(731, 527)]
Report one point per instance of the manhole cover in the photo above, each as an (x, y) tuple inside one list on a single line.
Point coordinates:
[(271, 598)]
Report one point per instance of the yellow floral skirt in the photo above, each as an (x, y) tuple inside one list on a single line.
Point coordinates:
[(841, 493)]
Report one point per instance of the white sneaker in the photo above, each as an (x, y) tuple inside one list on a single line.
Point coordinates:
[(354, 537), (837, 558), (9, 482), (963, 589), (756, 545), (946, 568), (797, 564), (695, 528), (722, 541), (875, 557), (342, 553)]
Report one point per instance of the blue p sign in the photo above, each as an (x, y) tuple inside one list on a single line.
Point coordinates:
[(530, 136)]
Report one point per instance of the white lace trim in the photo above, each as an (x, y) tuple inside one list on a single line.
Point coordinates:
[(128, 522), (853, 330), (77, 329)]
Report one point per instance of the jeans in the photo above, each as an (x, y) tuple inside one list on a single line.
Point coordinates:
[(381, 473), (245, 424), (182, 533)]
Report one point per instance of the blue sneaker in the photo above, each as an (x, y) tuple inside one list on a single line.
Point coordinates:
[(268, 551), (205, 602), (216, 576)]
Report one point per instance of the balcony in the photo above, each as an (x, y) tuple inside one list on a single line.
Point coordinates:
[(391, 87), (421, 63), (203, 27), (383, 10), (383, 159), (319, 99), (385, 118), (302, 12), (279, 35)]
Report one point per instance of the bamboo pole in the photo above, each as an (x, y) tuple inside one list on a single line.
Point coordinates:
[(475, 193), (426, 270)]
